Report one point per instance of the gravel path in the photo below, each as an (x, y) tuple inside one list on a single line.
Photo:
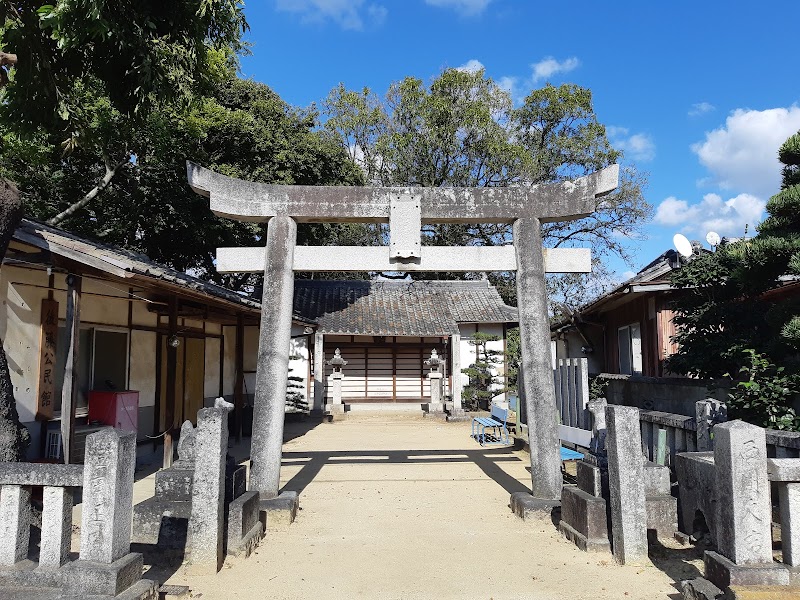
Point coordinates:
[(410, 508)]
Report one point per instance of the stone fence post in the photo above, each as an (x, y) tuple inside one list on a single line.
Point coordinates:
[(743, 510), (207, 521), (626, 484), (107, 496)]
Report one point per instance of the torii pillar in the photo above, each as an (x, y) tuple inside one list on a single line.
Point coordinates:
[(405, 209)]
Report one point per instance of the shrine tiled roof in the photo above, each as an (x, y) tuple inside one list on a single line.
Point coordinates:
[(402, 308)]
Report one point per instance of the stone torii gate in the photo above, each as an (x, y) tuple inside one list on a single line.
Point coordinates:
[(406, 210)]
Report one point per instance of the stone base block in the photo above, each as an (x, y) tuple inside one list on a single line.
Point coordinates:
[(458, 415), (526, 507), (592, 479), (656, 479), (764, 592), (700, 589), (280, 512), (89, 577), (160, 522), (144, 589), (335, 412), (662, 515), (584, 520), (174, 484), (581, 541), (724, 573), (235, 481), (438, 415), (174, 592), (245, 528)]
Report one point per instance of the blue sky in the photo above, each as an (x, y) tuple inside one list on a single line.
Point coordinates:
[(698, 94)]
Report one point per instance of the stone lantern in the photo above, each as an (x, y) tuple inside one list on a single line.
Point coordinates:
[(436, 405), (336, 408)]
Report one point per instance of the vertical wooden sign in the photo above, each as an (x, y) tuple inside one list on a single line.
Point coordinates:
[(45, 391)]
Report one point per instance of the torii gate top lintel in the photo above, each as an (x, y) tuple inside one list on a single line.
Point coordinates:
[(258, 202)]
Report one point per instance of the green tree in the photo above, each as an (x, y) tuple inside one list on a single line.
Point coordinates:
[(240, 128), (733, 320), (463, 130), (484, 382), (140, 54)]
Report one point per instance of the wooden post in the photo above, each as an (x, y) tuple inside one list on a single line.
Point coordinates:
[(69, 389), (238, 386), (172, 367)]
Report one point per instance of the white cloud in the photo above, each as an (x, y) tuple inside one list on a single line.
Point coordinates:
[(467, 8), (471, 66), (549, 66), (348, 14), (743, 154), (628, 275), (726, 217), (701, 108), (637, 146)]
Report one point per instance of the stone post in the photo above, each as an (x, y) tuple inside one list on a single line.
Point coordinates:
[(206, 524), (537, 382), (56, 527), (707, 414), (15, 522), (319, 372), (743, 504), (336, 392), (455, 361), (626, 484), (273, 358), (435, 405), (789, 497), (107, 495), (743, 512)]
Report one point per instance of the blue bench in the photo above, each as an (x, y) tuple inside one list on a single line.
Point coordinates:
[(492, 430)]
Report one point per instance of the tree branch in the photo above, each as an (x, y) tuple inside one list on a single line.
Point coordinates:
[(91, 195), (7, 60)]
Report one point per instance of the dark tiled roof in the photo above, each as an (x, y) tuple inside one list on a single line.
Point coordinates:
[(418, 308), (118, 261)]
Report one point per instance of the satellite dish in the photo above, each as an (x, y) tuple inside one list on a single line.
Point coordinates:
[(682, 245), (713, 239)]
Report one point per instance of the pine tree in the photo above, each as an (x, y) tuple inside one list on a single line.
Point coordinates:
[(484, 383)]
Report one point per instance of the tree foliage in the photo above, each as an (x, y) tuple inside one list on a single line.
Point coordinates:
[(734, 320), (462, 130), (484, 381), (240, 128)]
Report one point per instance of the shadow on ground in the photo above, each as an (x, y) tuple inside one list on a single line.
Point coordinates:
[(677, 563), (487, 460)]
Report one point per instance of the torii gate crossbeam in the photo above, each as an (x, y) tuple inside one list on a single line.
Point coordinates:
[(405, 209)]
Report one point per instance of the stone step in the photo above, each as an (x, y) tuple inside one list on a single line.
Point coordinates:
[(765, 592)]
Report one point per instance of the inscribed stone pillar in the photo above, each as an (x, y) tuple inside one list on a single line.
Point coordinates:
[(336, 392), (435, 405), (107, 495), (537, 382), (319, 371), (789, 494), (455, 358), (273, 358), (15, 522), (206, 524), (56, 527), (743, 502), (626, 484)]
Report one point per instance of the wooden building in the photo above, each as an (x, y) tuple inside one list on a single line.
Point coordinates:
[(386, 329), (627, 330), (175, 340)]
